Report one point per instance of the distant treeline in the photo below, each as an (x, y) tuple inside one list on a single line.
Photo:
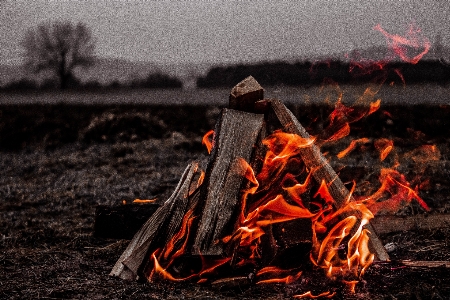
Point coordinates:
[(308, 73), (153, 81)]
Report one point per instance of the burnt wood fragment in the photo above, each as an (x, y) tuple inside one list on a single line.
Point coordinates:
[(235, 136), (314, 160), (426, 264)]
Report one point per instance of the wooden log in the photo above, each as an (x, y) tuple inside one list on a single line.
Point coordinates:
[(158, 229), (389, 224), (314, 160), (235, 136), (426, 264), (121, 221), (244, 95)]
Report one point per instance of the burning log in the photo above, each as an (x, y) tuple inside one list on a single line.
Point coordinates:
[(389, 224), (223, 219), (314, 160), (123, 221), (235, 136), (158, 229)]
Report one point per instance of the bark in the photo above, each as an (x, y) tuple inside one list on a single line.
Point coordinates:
[(235, 136), (159, 228)]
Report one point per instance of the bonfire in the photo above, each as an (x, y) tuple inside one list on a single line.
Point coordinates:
[(268, 205)]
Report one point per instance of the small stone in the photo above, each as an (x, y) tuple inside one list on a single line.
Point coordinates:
[(390, 247)]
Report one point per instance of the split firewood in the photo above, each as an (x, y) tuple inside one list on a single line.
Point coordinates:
[(389, 224), (123, 221), (244, 95), (235, 136), (314, 160), (159, 228)]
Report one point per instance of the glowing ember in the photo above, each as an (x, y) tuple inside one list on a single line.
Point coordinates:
[(278, 275), (144, 201)]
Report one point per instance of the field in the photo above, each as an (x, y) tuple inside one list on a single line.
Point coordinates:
[(405, 95), (61, 155)]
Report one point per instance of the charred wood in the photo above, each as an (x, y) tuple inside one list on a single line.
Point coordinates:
[(244, 95), (314, 160), (235, 136), (426, 264), (389, 224), (158, 229)]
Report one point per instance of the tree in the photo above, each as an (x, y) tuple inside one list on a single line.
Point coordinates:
[(59, 47)]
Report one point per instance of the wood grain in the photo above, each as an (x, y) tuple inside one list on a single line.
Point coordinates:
[(157, 230), (235, 136)]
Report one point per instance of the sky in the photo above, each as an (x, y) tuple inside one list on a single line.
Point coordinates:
[(224, 31)]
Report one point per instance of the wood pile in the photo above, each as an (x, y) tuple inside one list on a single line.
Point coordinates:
[(207, 204)]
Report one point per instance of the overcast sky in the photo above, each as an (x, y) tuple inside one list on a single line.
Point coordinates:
[(225, 31)]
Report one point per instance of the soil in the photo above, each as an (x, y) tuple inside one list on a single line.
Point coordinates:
[(58, 162)]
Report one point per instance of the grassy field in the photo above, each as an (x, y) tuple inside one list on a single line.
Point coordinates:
[(58, 162), (405, 95)]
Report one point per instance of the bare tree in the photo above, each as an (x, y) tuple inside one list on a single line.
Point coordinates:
[(59, 47)]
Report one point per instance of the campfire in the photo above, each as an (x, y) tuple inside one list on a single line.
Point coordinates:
[(268, 205)]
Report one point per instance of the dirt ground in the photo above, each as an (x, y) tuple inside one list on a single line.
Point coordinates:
[(58, 162)]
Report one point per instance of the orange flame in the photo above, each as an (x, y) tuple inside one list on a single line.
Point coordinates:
[(412, 39), (207, 140), (201, 178), (384, 146), (351, 284), (158, 270), (275, 273), (283, 207), (394, 191), (352, 146), (287, 280), (374, 106), (182, 233), (342, 115)]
